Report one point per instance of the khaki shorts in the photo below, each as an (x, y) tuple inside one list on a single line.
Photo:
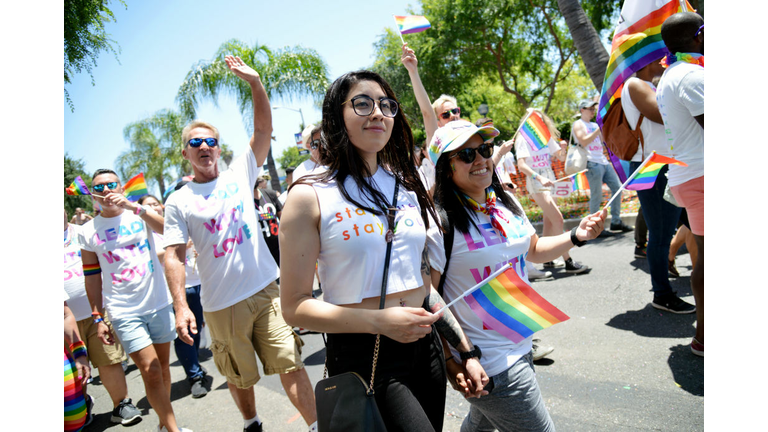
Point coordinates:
[(98, 353), (255, 323)]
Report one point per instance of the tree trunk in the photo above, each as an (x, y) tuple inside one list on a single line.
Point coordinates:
[(586, 39), (273, 172)]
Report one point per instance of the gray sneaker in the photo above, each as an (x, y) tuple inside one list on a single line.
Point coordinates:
[(540, 351), (575, 267), (198, 388), (125, 413)]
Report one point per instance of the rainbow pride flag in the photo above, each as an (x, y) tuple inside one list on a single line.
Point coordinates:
[(511, 307), (645, 175), (411, 23), (75, 410), (535, 131), (135, 188), (78, 187), (636, 43), (580, 182)]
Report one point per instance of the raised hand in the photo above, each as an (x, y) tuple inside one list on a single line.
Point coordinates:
[(241, 70), (409, 59)]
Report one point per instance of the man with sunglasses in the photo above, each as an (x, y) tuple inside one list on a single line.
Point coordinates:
[(311, 138), (239, 292), (680, 97), (123, 273)]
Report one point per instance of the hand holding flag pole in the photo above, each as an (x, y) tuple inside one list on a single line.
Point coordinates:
[(645, 175)]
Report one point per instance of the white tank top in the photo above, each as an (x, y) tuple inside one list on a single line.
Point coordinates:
[(353, 245)]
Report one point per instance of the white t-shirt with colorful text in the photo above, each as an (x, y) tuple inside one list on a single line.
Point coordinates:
[(474, 257), (233, 259), (74, 283), (536, 159), (595, 148), (132, 278)]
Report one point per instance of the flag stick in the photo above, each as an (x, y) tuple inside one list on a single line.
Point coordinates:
[(98, 196), (522, 123), (561, 179), (397, 27), (471, 290), (629, 179)]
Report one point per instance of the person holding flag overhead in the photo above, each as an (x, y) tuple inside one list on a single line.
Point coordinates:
[(123, 273), (486, 231), (535, 146)]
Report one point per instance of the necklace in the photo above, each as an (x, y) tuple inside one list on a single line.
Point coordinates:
[(693, 58)]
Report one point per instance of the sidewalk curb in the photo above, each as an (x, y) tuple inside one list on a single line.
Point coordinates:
[(568, 224)]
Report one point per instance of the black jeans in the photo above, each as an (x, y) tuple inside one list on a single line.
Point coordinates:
[(410, 378)]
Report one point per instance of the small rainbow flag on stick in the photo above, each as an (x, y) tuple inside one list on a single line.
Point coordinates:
[(510, 306), (410, 24), (77, 187), (580, 181), (135, 188), (645, 175), (535, 131)]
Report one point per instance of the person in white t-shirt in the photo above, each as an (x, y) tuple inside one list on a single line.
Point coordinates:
[(239, 292), (588, 135), (341, 220), (311, 138), (490, 230), (122, 272), (639, 97), (681, 102), (107, 358)]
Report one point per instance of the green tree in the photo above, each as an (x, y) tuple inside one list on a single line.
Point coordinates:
[(72, 169), (286, 73), (85, 37), (291, 157)]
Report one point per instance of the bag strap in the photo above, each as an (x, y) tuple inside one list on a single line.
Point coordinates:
[(447, 246), (639, 133)]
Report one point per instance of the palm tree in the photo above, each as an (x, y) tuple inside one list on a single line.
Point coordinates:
[(155, 149), (586, 39), (285, 73)]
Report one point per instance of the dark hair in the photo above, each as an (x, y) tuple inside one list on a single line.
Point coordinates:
[(449, 199), (678, 31), (344, 161), (101, 171), (144, 198), (290, 169)]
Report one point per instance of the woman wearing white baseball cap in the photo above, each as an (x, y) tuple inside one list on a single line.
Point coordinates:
[(489, 229)]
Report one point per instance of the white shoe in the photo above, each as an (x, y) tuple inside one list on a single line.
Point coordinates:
[(163, 429), (534, 273), (555, 263)]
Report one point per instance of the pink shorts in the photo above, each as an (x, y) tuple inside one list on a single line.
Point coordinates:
[(691, 196)]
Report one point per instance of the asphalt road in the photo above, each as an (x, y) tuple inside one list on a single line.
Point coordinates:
[(618, 364)]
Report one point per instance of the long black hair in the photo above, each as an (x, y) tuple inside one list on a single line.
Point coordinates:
[(450, 201), (343, 160)]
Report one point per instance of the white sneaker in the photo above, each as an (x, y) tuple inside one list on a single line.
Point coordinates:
[(163, 429), (555, 263), (534, 273)]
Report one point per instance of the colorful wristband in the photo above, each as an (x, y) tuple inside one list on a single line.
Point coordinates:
[(140, 210), (78, 349), (91, 269), (97, 320)]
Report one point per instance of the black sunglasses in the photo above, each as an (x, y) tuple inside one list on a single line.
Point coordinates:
[(467, 155), (314, 145), (365, 105), (100, 187), (446, 115), (197, 142)]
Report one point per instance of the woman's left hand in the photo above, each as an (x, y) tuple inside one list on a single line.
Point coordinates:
[(591, 226)]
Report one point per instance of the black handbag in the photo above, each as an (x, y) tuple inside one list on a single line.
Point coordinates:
[(344, 402)]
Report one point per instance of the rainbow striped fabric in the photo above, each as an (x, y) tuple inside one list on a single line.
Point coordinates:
[(511, 307), (78, 187), (74, 403), (580, 182), (535, 132), (135, 188), (646, 174), (91, 269), (411, 23), (636, 43)]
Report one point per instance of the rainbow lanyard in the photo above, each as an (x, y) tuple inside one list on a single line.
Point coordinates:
[(693, 58), (490, 210)]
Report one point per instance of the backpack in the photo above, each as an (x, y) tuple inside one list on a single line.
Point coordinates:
[(618, 136)]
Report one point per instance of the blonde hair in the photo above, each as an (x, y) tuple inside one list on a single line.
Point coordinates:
[(438, 103), (196, 124)]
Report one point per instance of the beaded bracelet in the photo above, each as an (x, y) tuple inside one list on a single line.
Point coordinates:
[(78, 349)]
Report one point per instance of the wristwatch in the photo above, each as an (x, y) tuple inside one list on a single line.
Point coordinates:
[(470, 354), (575, 240)]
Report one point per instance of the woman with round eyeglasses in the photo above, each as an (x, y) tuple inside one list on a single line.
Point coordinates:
[(489, 230), (340, 218), (536, 164)]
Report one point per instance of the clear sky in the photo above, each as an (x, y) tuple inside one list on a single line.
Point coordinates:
[(161, 40)]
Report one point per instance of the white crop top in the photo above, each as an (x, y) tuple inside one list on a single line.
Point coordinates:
[(353, 247)]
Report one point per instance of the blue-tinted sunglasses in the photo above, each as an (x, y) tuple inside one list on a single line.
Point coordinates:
[(100, 187), (197, 142)]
